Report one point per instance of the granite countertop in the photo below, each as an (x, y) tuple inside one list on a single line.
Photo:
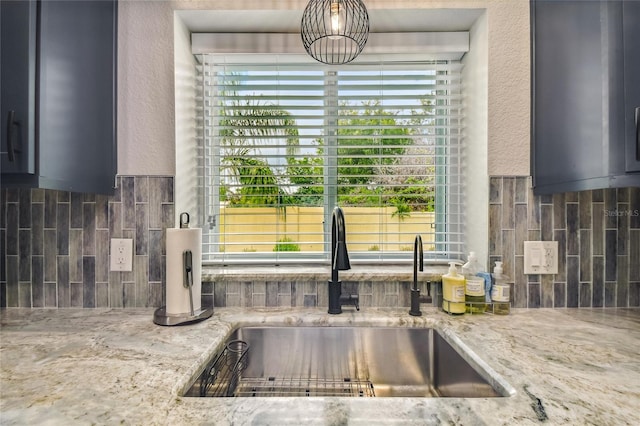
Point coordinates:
[(117, 367)]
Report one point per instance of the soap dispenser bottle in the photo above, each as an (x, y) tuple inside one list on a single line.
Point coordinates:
[(474, 294), (500, 291), (453, 291)]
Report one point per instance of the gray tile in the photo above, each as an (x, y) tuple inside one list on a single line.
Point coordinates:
[(520, 195), (585, 295), (141, 268), (25, 208), (520, 291), (37, 195), (89, 229), (102, 255), (12, 229), (508, 196), (535, 211), (142, 189), (598, 282), (623, 228), (521, 232), (24, 295), (89, 282), (610, 208), (75, 255), (534, 296), (508, 251), (598, 229), (585, 255), (559, 294), (623, 194), (634, 253), (50, 256), (62, 228), (76, 211), (573, 247), (495, 227), (634, 207), (37, 229), (561, 238), (128, 202), (597, 195), (155, 255), (495, 190), (547, 291), (76, 292), (219, 295), (611, 254), (610, 294), (310, 301), (585, 205), (115, 220), (50, 209), (129, 294), (102, 295), (64, 285), (559, 216), (573, 281), (50, 295), (116, 290), (634, 294), (546, 222), (271, 297), (12, 281), (622, 291), (37, 281), (24, 254), (142, 229), (102, 212)]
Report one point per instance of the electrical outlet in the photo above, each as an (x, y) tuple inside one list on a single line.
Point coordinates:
[(121, 254), (540, 257)]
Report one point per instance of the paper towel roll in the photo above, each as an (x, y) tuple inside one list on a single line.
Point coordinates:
[(178, 241)]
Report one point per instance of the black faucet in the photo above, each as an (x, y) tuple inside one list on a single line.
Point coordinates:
[(339, 262), (418, 264)]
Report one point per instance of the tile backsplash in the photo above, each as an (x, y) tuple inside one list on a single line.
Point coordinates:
[(598, 234), (54, 250), (55, 245)]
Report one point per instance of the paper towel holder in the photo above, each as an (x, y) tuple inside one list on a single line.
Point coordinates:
[(160, 316)]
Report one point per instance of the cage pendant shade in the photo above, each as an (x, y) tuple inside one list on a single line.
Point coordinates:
[(334, 31)]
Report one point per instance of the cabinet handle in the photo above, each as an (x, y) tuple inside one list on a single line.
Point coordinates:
[(638, 133), (10, 123)]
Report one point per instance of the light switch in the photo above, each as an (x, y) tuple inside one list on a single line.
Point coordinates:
[(540, 257)]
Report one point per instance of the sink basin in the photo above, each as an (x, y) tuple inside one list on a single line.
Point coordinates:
[(266, 361)]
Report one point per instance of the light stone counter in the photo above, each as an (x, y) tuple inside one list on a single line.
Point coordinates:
[(116, 367)]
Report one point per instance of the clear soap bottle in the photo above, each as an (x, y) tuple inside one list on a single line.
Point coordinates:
[(500, 291), (474, 294)]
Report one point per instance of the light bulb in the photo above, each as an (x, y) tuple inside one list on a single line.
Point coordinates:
[(335, 17)]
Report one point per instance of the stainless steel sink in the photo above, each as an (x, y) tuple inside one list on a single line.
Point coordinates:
[(346, 361)]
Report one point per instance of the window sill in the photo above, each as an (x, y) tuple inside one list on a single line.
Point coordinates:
[(363, 272)]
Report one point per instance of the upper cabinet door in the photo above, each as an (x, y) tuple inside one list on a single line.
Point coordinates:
[(631, 34), (17, 75)]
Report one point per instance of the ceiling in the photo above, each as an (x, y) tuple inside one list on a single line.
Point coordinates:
[(288, 21)]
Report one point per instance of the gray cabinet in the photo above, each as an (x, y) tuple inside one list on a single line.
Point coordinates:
[(58, 111), (585, 82)]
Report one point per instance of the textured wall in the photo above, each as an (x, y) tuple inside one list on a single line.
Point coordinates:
[(146, 117)]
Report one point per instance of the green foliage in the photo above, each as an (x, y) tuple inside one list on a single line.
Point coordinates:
[(286, 244)]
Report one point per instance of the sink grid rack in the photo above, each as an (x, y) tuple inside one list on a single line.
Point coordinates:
[(301, 387), (221, 377)]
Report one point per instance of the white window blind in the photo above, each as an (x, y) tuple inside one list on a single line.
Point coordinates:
[(286, 141)]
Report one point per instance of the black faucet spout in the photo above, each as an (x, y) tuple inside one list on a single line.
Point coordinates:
[(339, 260), (418, 264)]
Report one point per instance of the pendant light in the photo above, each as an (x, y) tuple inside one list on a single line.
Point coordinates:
[(334, 31)]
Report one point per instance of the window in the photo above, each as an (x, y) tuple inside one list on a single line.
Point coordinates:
[(285, 141)]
